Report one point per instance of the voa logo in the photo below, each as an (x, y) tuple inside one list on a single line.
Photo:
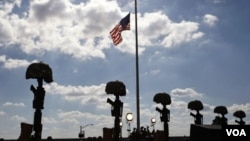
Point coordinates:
[(236, 132)]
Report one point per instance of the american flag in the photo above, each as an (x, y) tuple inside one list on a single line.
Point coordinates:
[(115, 33)]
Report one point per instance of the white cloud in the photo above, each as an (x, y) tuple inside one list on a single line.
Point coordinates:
[(71, 115), (18, 118), (236, 107), (5, 32), (178, 104), (153, 72), (77, 30), (14, 104), (182, 32), (94, 94), (45, 10), (49, 120), (187, 92), (218, 1), (79, 93), (82, 31), (210, 20), (157, 29), (10, 63), (65, 121), (6, 7), (2, 113)]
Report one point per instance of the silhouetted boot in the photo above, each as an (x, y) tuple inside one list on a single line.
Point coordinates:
[(26, 130)]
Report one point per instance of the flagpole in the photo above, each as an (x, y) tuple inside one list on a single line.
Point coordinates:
[(137, 71)]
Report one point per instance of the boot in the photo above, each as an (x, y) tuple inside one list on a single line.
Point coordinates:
[(26, 130)]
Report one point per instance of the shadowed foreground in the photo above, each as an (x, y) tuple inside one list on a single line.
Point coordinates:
[(96, 139)]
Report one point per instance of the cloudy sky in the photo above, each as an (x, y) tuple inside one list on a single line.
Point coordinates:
[(190, 49)]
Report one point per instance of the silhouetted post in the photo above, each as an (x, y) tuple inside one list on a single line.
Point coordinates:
[(165, 117), (116, 88), (38, 101), (137, 71), (39, 71), (164, 99)]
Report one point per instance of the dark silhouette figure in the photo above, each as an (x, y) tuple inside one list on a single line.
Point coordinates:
[(165, 118), (116, 88), (39, 71), (220, 120), (240, 114), (198, 118), (164, 99), (49, 138), (143, 134), (197, 106), (134, 136), (82, 133), (38, 101)]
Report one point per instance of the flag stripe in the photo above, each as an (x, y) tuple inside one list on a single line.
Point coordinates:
[(115, 33)]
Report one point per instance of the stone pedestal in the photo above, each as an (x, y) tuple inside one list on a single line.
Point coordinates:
[(205, 132), (107, 134)]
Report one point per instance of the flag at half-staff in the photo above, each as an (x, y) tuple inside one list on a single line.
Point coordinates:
[(115, 33)]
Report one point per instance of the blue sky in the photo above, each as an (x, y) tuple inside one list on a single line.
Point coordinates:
[(190, 49)]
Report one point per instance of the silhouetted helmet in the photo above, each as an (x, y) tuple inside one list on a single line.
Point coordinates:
[(162, 98), (116, 88), (239, 114), (39, 70), (220, 110), (195, 105)]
